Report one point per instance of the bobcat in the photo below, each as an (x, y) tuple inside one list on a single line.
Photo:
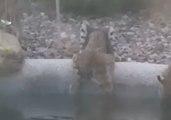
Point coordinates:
[(95, 61), (165, 80)]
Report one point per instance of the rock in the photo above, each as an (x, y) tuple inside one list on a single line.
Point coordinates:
[(11, 56)]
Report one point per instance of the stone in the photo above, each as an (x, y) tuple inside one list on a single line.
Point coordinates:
[(11, 55)]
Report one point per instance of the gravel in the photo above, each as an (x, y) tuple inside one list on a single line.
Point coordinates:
[(137, 39)]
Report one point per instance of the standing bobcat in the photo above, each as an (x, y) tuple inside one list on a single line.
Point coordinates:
[(95, 61)]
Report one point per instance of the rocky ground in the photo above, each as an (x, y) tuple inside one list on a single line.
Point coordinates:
[(136, 39)]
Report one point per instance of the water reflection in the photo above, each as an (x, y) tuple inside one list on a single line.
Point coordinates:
[(8, 113), (166, 108), (93, 106), (126, 103)]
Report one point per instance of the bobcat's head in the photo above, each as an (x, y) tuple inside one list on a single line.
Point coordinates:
[(87, 33)]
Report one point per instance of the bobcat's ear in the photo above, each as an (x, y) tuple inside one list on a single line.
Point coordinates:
[(83, 32)]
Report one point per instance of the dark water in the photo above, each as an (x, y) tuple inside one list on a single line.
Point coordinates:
[(93, 107), (134, 103), (166, 108), (8, 113), (83, 107)]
